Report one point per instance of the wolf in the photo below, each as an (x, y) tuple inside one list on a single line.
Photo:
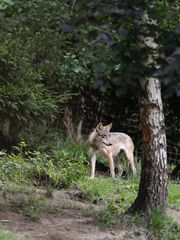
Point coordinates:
[(110, 145)]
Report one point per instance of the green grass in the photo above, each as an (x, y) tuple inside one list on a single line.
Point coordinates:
[(163, 227), (118, 195), (6, 235), (174, 196), (105, 189), (14, 188), (30, 206), (122, 191), (59, 169)]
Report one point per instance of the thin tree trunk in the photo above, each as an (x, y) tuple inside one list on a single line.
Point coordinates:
[(153, 183)]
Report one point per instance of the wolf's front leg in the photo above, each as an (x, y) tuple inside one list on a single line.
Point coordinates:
[(93, 165), (111, 164)]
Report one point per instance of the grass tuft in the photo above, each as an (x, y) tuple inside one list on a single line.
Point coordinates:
[(163, 227), (6, 235)]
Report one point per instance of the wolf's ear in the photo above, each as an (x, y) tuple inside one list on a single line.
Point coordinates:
[(109, 126), (99, 126)]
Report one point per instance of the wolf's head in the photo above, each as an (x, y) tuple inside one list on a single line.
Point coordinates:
[(103, 133)]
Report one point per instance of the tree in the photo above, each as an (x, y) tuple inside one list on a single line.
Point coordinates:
[(153, 183), (139, 61), (46, 48), (152, 192)]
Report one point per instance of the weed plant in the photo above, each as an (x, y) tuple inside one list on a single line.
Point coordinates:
[(30, 206), (60, 169), (163, 227), (6, 235)]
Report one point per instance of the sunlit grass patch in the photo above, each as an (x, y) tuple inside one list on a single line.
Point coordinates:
[(163, 227), (122, 192), (14, 188), (118, 195), (30, 206), (115, 196), (174, 195), (6, 235)]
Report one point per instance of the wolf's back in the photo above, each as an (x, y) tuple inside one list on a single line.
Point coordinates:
[(122, 138)]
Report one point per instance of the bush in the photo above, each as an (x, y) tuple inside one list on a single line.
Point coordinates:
[(59, 170), (72, 165), (38, 64), (14, 168)]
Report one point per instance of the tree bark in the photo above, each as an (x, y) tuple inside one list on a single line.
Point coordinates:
[(152, 192)]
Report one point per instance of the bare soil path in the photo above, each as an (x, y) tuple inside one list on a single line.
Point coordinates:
[(66, 218)]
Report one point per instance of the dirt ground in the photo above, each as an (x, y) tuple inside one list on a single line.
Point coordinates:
[(66, 220)]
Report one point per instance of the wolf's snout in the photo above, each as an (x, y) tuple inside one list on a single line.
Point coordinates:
[(107, 143)]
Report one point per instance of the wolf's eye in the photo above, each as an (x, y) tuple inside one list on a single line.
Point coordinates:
[(104, 135)]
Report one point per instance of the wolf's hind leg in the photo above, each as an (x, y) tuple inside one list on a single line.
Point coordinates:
[(118, 165), (130, 157)]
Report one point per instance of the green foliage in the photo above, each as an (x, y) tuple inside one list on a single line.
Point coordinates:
[(31, 207), (174, 196), (25, 99), (108, 217), (167, 13), (49, 48), (16, 188), (14, 168), (157, 221), (72, 164), (6, 235), (105, 189), (59, 170), (5, 3), (49, 192), (35, 101), (117, 195), (163, 227), (38, 65)]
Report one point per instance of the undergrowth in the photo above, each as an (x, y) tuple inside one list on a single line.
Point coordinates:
[(6, 235), (59, 169), (67, 166), (117, 195), (163, 227), (174, 195), (103, 189)]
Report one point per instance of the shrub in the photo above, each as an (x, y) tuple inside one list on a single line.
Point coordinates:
[(14, 168), (72, 164), (38, 64), (59, 170)]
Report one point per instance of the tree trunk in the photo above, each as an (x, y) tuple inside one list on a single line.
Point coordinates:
[(153, 183)]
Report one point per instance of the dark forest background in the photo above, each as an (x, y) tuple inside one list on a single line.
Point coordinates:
[(66, 65)]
